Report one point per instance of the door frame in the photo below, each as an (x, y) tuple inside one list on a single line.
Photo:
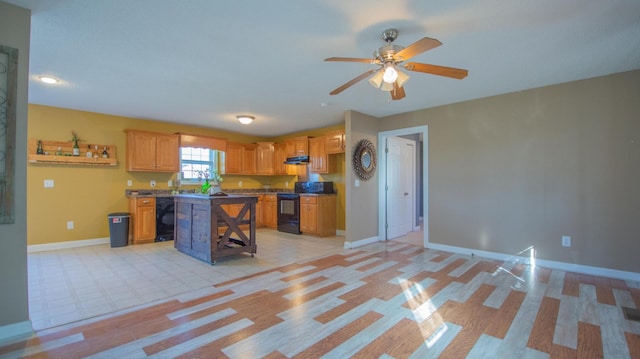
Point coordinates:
[(382, 207)]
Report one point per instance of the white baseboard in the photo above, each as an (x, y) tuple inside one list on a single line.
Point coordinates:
[(16, 331), (567, 267), (340, 232), (361, 242), (65, 245)]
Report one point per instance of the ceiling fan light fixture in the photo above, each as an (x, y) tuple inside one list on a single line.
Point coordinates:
[(386, 86), (245, 119), (402, 78), (390, 74), (376, 80)]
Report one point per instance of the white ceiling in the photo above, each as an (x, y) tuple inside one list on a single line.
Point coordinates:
[(201, 62)]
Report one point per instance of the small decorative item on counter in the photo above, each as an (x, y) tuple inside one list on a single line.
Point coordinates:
[(105, 154), (39, 150), (89, 154), (75, 138), (209, 187)]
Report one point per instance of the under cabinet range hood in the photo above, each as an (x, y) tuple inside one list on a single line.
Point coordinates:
[(297, 160)]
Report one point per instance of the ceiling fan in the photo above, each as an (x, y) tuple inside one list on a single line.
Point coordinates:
[(390, 58)]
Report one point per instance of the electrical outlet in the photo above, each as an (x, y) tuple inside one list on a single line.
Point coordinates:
[(566, 241), (48, 183), (169, 183), (129, 183), (286, 184), (239, 183), (69, 224), (152, 183)]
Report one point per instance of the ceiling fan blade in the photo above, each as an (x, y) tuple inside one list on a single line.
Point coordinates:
[(437, 70), (351, 59), (397, 93), (418, 47), (352, 82)]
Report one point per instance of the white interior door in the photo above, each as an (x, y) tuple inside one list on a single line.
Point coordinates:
[(400, 177)]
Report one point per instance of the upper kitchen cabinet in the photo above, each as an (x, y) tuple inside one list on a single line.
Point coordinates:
[(335, 142), (240, 158), (298, 146), (152, 152), (280, 155), (265, 152), (319, 161)]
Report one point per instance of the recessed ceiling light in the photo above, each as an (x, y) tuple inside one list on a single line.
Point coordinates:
[(48, 79)]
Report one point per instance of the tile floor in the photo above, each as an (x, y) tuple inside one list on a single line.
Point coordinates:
[(79, 283)]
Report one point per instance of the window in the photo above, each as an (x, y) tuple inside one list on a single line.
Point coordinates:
[(193, 160)]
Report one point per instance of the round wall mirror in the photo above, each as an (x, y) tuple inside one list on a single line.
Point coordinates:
[(364, 159)]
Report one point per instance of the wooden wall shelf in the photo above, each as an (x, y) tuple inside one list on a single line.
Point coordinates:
[(51, 147)]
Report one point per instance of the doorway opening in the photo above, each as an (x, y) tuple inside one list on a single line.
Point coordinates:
[(393, 214)]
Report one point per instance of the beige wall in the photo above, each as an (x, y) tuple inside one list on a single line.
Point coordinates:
[(87, 194), (525, 168), (362, 201), (14, 315)]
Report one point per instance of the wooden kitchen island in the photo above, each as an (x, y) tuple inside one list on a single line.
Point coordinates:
[(205, 230)]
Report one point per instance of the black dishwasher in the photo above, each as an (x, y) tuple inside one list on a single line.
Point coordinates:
[(164, 219)]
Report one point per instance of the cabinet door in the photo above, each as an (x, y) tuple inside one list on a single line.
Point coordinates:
[(271, 211), (308, 218), (335, 142), (265, 154), (260, 213), (302, 146), (279, 156), (145, 226), (167, 153), (233, 158), (249, 160), (290, 147), (318, 155), (141, 151)]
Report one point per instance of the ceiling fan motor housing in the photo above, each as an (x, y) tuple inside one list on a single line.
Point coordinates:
[(387, 53), (389, 35)]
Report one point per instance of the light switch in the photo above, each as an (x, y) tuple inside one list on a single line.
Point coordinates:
[(129, 183), (48, 183), (152, 183), (357, 183)]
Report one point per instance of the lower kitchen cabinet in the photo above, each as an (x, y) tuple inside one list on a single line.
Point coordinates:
[(318, 215), (143, 220), (270, 211)]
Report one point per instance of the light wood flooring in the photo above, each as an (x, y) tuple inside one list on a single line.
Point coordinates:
[(385, 300)]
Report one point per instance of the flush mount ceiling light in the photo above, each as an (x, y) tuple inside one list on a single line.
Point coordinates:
[(48, 79), (245, 119)]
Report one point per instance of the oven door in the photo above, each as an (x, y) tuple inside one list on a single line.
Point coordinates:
[(289, 213)]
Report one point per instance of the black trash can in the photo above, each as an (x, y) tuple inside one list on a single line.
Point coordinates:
[(119, 229)]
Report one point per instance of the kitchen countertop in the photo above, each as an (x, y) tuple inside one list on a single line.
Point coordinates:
[(142, 193)]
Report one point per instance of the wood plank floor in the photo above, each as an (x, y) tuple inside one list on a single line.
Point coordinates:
[(387, 300)]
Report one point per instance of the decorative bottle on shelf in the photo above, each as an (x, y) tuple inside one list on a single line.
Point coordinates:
[(39, 150), (105, 154), (96, 153), (76, 149), (59, 151), (89, 154)]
